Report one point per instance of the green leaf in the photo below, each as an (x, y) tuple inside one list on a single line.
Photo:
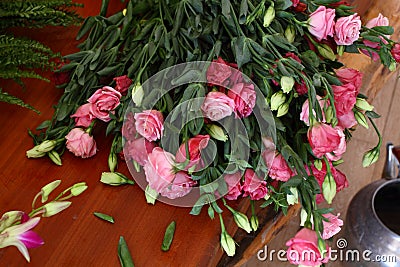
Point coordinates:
[(372, 115), (293, 182), (226, 8), (104, 217), (168, 236), (386, 30), (124, 255), (241, 50), (44, 125), (203, 199), (283, 4), (87, 25), (331, 79), (243, 12)]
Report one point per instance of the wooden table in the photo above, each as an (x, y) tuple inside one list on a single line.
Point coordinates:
[(75, 237)]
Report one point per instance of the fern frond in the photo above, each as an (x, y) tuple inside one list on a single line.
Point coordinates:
[(16, 52), (10, 99), (37, 14), (18, 74)]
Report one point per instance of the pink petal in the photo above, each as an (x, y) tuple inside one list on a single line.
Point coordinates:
[(31, 239)]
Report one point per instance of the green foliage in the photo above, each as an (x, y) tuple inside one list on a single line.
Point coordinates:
[(38, 13), (20, 56)]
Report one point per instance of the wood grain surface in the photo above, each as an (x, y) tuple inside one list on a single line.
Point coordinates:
[(75, 237)]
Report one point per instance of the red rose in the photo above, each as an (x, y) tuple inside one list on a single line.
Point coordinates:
[(122, 83)]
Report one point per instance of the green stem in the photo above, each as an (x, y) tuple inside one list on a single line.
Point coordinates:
[(222, 223)]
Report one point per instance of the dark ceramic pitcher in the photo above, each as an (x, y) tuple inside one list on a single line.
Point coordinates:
[(372, 228)]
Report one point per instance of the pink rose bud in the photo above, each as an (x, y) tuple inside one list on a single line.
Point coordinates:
[(279, 169), (218, 72), (244, 96), (83, 116), (347, 29), (234, 185), (80, 143), (122, 83), (195, 146), (159, 169), (104, 101), (396, 52), (217, 106), (180, 187), (253, 185), (305, 242), (332, 226), (321, 22), (150, 124), (380, 20), (323, 139)]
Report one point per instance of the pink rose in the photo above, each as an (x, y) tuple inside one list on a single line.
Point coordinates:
[(80, 143), (332, 226), (347, 29), (321, 22), (269, 151), (159, 169), (149, 124), (345, 98), (218, 72), (378, 21), (339, 151), (83, 116), (352, 76), (338, 176), (139, 149), (305, 110), (234, 186), (103, 101), (279, 169), (122, 83), (323, 139), (253, 186), (396, 52), (244, 96), (195, 146), (129, 128), (217, 106), (303, 249), (180, 187)]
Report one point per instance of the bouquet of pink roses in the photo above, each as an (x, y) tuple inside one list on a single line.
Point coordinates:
[(223, 100)]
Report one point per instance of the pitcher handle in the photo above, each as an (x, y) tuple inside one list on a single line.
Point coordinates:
[(392, 165)]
